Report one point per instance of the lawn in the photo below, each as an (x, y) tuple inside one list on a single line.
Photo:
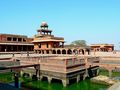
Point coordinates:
[(7, 77), (106, 73)]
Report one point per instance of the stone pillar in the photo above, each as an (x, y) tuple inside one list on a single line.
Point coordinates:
[(84, 51), (6, 48), (78, 78), (50, 51), (110, 73), (65, 82), (45, 52), (41, 77), (98, 70), (49, 79), (21, 73), (85, 74)]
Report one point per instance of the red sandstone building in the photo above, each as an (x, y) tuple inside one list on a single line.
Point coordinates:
[(44, 41), (102, 47), (12, 43)]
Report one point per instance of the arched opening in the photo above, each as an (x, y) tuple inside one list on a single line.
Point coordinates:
[(75, 51), (64, 51), (47, 51), (58, 52), (53, 52), (69, 51)]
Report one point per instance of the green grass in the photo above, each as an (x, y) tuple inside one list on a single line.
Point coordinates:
[(37, 85), (9, 77), (106, 73), (6, 77)]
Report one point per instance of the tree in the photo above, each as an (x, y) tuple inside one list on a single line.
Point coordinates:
[(81, 43)]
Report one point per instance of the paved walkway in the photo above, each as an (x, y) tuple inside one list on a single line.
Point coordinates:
[(116, 86)]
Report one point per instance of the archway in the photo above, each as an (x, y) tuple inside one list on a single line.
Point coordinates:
[(53, 52), (47, 51), (58, 52), (69, 51), (63, 51), (75, 51)]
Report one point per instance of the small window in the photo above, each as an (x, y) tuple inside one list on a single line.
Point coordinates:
[(14, 39), (9, 38), (19, 39), (24, 40)]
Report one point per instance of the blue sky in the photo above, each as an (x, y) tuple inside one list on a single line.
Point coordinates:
[(96, 21)]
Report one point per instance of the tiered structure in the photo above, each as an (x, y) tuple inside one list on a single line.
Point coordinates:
[(44, 41)]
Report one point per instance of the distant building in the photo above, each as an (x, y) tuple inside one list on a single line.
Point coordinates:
[(12, 43), (102, 47)]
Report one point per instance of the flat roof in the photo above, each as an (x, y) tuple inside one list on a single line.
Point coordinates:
[(16, 44), (102, 45), (48, 40), (14, 35)]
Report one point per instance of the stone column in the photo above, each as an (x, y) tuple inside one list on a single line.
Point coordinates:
[(65, 82), (78, 78), (5, 48), (45, 52), (49, 79), (98, 70), (84, 51), (110, 73), (50, 51), (41, 77)]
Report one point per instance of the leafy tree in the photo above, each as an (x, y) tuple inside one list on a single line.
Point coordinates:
[(81, 43)]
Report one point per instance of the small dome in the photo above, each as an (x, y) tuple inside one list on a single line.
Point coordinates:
[(44, 24)]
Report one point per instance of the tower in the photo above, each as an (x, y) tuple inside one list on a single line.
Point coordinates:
[(44, 41)]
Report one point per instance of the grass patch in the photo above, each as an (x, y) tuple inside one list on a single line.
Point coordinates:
[(7, 77), (106, 73)]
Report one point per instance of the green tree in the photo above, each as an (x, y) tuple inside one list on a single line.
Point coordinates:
[(81, 43)]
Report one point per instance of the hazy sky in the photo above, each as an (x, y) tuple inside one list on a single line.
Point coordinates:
[(96, 21)]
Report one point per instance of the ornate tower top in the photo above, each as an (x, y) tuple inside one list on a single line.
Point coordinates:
[(44, 25), (43, 30)]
